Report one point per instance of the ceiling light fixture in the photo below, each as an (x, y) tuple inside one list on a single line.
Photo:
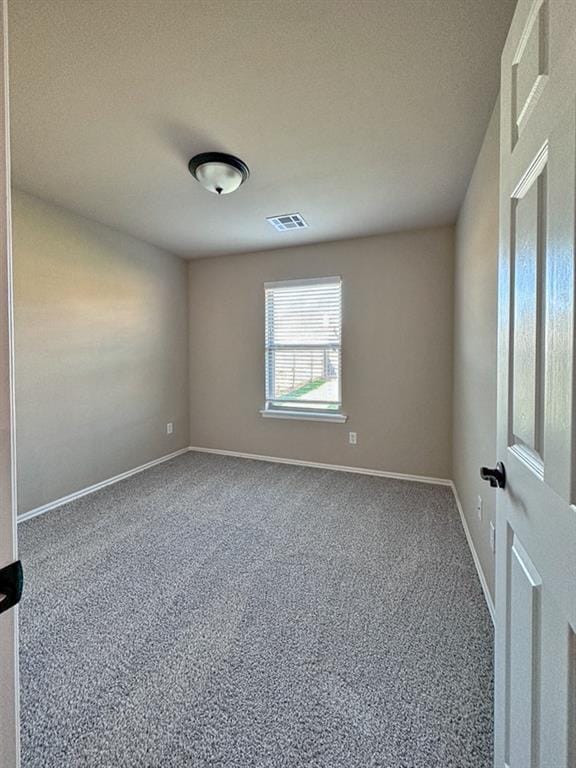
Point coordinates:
[(218, 173)]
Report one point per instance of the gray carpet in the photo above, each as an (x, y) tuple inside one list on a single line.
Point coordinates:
[(230, 613)]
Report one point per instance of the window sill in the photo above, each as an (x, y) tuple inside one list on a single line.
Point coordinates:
[(339, 418)]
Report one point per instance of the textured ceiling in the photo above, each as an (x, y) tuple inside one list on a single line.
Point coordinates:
[(364, 116)]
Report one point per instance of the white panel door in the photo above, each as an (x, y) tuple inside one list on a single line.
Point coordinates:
[(9, 741), (535, 704)]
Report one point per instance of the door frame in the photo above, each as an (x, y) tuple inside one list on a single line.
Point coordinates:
[(9, 683)]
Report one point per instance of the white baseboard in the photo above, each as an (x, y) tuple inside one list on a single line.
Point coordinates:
[(85, 491), (483, 583), (333, 467)]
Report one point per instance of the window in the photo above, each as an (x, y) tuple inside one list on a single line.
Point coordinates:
[(303, 331)]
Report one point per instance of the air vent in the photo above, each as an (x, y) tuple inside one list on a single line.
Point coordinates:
[(287, 221)]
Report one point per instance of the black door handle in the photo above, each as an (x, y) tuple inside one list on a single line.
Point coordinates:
[(11, 583), (495, 476)]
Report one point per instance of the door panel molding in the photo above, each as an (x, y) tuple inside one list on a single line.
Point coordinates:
[(523, 652), (529, 67)]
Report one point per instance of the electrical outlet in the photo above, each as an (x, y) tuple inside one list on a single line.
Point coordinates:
[(492, 537), (479, 507), (353, 438), (169, 428)]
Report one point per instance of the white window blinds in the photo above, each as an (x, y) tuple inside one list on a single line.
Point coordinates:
[(303, 333)]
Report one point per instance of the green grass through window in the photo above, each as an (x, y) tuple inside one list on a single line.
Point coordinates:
[(303, 390)]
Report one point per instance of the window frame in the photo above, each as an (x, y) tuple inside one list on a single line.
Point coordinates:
[(292, 411)]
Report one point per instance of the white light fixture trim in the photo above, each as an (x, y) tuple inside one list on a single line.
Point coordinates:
[(219, 173)]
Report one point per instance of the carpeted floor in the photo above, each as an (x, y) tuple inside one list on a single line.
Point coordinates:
[(240, 614)]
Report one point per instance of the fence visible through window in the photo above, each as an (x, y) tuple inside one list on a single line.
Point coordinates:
[(303, 344)]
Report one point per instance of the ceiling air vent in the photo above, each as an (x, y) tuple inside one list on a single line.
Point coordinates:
[(287, 221)]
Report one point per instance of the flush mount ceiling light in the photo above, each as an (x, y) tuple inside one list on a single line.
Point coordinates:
[(218, 173)]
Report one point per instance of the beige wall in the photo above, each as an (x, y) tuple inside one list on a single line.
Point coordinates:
[(397, 353), (101, 351), (475, 326)]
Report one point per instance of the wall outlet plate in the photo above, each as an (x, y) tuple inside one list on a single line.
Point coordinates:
[(169, 428), (353, 438)]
